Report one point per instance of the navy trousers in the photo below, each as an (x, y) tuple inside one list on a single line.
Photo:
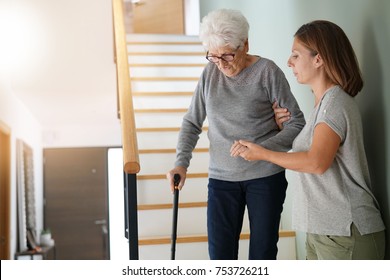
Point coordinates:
[(264, 198)]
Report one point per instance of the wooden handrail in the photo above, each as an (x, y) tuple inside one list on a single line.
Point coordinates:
[(131, 163)]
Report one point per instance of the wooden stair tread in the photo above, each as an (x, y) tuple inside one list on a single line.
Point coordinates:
[(150, 79), (163, 43), (164, 176), (198, 238), (170, 151), (167, 64), (157, 129), (162, 93), (162, 110), (162, 129), (170, 205), (130, 53)]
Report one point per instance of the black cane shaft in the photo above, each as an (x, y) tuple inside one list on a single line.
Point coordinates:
[(174, 223), (175, 215)]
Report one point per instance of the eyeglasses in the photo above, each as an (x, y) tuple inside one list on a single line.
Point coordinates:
[(228, 57)]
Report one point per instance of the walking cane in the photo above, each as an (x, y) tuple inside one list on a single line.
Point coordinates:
[(176, 181)]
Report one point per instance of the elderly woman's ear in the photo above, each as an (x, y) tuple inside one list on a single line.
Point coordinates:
[(246, 45)]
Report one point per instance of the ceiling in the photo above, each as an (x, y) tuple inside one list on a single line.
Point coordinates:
[(58, 59)]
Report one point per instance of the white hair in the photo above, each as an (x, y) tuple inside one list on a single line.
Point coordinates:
[(224, 27)]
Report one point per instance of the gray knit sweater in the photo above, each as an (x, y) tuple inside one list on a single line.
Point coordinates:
[(239, 107)]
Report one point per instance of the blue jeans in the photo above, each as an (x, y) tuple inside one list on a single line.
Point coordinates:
[(264, 198)]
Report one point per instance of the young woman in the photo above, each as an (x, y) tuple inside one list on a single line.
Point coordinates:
[(333, 200)]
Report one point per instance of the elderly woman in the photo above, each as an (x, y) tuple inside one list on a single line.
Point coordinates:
[(236, 91)]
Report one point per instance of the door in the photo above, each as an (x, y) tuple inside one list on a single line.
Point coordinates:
[(5, 192), (76, 202), (158, 16)]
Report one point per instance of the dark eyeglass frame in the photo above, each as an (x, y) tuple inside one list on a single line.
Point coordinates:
[(220, 57)]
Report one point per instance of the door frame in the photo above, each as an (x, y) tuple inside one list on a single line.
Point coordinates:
[(5, 191)]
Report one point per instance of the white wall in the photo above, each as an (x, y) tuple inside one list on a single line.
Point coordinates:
[(367, 24), (23, 126), (60, 58), (92, 135), (75, 56), (191, 11)]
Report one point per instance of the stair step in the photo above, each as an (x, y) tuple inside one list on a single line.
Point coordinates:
[(144, 121), (202, 54), (170, 205), (163, 43), (167, 65), (191, 48), (157, 191), (176, 110), (157, 129), (161, 86), (164, 176), (169, 79), (167, 240), (169, 151), (161, 163), (162, 129), (134, 37), (162, 93), (199, 238), (174, 73), (166, 140), (199, 250), (162, 102), (191, 221), (166, 59)]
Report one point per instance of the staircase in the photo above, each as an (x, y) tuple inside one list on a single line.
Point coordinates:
[(164, 70)]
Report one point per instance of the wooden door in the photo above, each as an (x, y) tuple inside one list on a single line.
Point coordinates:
[(158, 16), (76, 204), (5, 192)]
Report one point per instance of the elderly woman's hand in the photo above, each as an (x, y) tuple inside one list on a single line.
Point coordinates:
[(182, 171), (281, 115), (236, 149), (247, 150)]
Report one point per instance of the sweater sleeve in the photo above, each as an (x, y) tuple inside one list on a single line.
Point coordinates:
[(191, 127), (279, 90)]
